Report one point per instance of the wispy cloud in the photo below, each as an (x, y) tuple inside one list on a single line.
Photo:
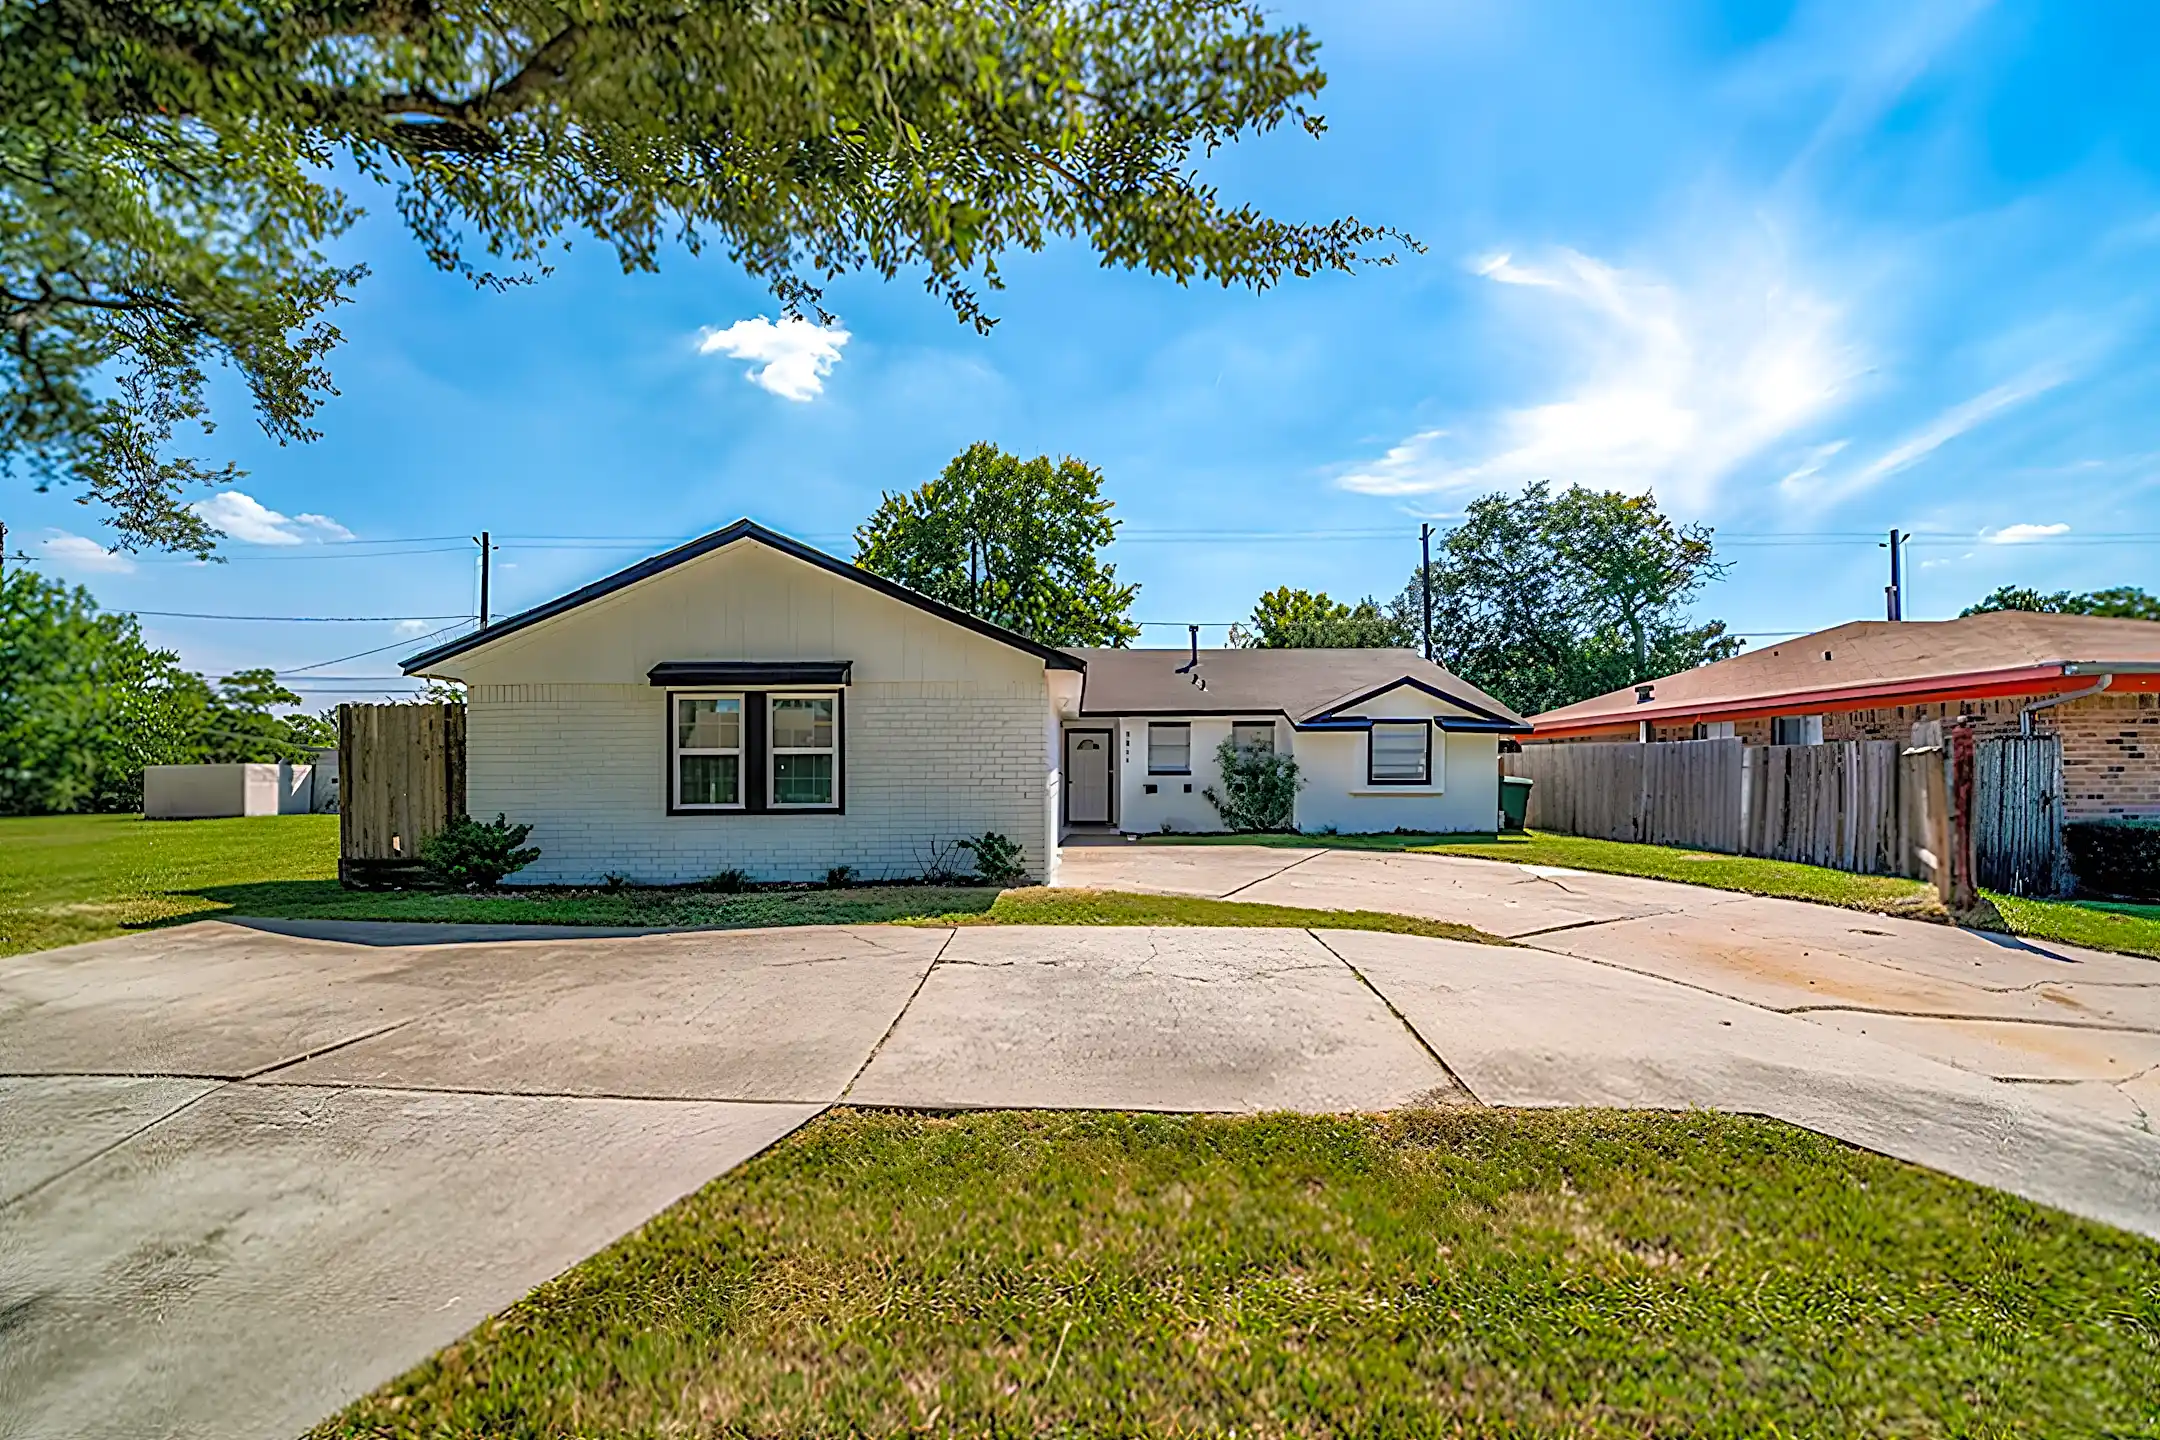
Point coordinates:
[(251, 522), (793, 355), (406, 629), (1665, 386), (79, 552), (2021, 534), (1929, 438)]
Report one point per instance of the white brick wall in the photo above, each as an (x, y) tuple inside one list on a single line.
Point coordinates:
[(926, 762)]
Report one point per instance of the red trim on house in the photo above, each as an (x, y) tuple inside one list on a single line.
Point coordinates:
[(1980, 685)]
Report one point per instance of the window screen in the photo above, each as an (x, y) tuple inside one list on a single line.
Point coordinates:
[(1401, 752), (1169, 749), (708, 750)]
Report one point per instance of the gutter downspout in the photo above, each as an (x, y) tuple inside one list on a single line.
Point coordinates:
[(2025, 716)]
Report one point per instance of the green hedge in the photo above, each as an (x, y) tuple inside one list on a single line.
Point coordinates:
[(2116, 857)]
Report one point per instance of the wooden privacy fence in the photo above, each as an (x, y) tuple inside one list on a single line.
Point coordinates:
[(401, 778), (1871, 806)]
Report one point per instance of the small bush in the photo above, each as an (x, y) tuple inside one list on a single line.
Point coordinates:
[(998, 861), (2116, 857), (1259, 788), (840, 877), (940, 862), (729, 881), (467, 855)]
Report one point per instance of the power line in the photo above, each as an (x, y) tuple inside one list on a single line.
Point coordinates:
[(294, 619), (360, 654)]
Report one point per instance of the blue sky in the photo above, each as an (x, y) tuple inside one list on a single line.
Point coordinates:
[(1806, 271)]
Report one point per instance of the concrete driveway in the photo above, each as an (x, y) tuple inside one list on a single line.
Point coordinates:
[(247, 1174)]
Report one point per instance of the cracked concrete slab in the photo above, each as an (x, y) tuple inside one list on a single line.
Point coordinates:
[(51, 1123), (785, 1014), (1540, 1029), (1498, 899), (1215, 870), (2005, 1049), (1149, 1019), (268, 1254)]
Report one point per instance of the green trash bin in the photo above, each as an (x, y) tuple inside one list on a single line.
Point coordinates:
[(1514, 801)]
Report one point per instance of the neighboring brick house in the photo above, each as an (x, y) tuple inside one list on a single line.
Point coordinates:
[(745, 702), (2095, 682)]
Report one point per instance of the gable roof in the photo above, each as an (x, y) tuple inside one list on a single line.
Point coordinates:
[(741, 530), (1885, 662), (1308, 686)]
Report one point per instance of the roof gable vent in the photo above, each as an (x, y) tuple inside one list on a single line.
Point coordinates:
[(1644, 694)]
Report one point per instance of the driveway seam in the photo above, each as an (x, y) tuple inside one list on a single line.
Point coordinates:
[(1271, 874), (321, 1050), (905, 1005), (395, 1089), (143, 1129), (1404, 1020), (2099, 1025)]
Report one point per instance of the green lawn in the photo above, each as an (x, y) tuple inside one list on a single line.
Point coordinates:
[(2099, 925), (68, 879), (1423, 1273)]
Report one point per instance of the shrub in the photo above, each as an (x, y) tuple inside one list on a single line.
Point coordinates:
[(467, 855), (2116, 857), (839, 877), (1259, 788), (997, 860), (729, 881)]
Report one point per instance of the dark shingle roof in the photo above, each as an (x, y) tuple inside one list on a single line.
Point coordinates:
[(1305, 685)]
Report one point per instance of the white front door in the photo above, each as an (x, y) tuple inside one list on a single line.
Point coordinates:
[(1087, 777)]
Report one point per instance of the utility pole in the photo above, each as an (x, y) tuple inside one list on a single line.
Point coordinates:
[(1424, 582), (1894, 592), (482, 541)]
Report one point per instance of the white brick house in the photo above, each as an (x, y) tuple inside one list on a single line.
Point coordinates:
[(745, 702)]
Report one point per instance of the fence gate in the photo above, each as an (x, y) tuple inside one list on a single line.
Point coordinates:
[(401, 778), (2018, 815)]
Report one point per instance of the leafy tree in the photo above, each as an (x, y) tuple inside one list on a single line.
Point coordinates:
[(85, 704), (1287, 619), (166, 200), (1545, 600), (2121, 602), (1014, 541)]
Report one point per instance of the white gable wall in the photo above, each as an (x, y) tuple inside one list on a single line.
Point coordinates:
[(944, 730)]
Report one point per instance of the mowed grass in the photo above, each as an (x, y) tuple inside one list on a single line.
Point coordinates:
[(65, 879), (69, 879), (1423, 1273), (2098, 925)]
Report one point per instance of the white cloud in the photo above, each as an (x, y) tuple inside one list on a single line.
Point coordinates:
[(79, 552), (1663, 386), (248, 520), (1935, 434), (2021, 534), (407, 628), (794, 355)]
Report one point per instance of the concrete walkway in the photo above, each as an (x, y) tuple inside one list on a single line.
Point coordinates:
[(246, 1175)]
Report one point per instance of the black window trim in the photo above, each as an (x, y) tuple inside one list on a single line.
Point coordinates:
[(1422, 782), (1186, 726), (757, 754)]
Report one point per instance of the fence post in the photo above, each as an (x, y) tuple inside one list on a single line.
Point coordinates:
[(1963, 892)]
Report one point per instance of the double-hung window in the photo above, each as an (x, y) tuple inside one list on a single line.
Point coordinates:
[(1401, 753), (708, 760), (1254, 736), (804, 752), (1169, 749)]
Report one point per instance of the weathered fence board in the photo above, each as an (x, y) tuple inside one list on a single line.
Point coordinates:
[(1869, 806), (2018, 815), (402, 778)]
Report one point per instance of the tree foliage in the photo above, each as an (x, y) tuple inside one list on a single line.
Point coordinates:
[(1013, 541), (1544, 600), (166, 202), (2121, 602), (85, 703), (1287, 619)]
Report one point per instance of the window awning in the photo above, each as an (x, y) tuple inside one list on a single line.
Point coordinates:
[(751, 674)]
